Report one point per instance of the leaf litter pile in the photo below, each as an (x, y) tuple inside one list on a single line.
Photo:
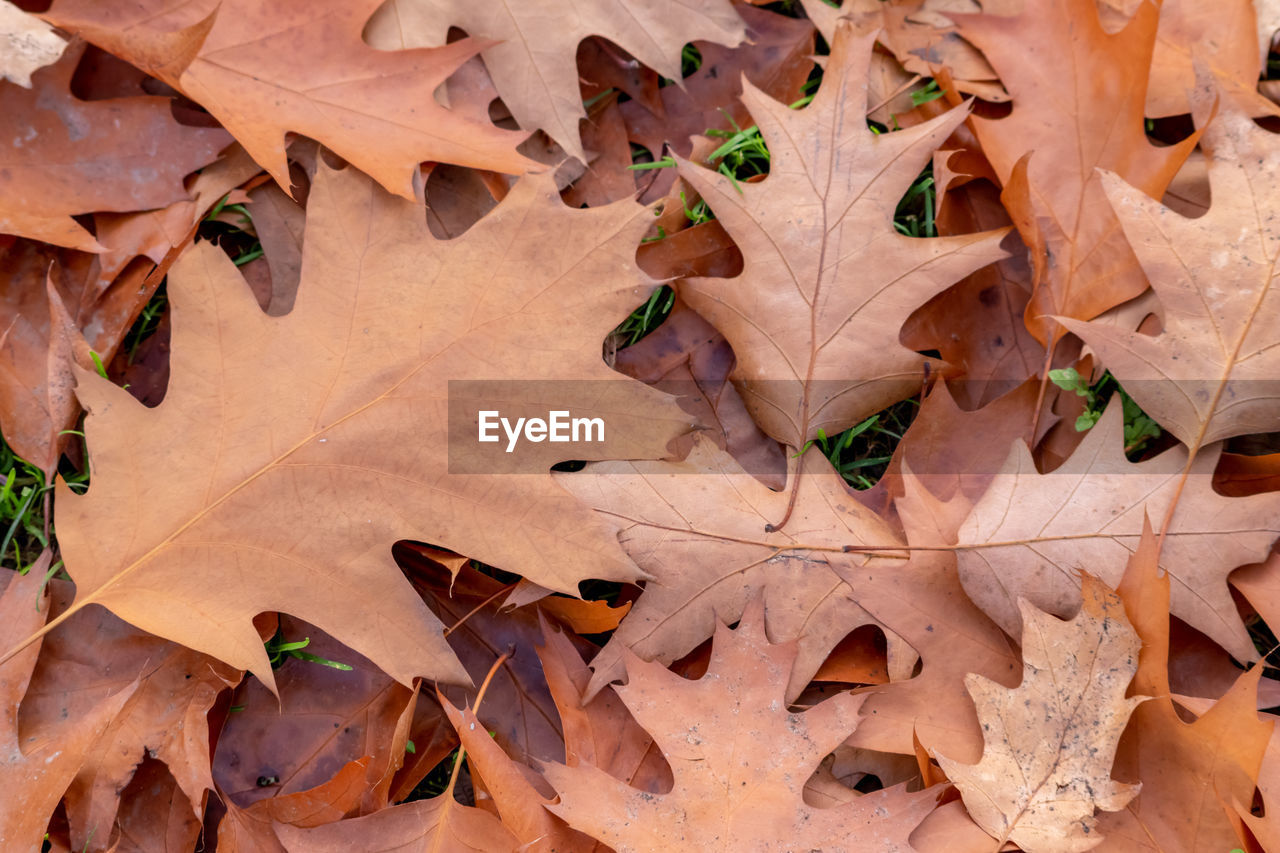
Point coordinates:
[(917, 476)]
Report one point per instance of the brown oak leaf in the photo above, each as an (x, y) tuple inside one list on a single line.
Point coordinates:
[(297, 449), (1032, 532), (740, 761), (1211, 374), (814, 317), (38, 762), (65, 156), (1069, 79), (696, 527), (265, 69), (94, 656), (1191, 773)]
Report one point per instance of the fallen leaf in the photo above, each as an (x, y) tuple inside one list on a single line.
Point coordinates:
[(1051, 740), (923, 603), (977, 325), (341, 400), (1221, 38), (607, 178), (519, 803), (91, 658), (68, 156), (520, 711), (262, 826), (440, 822), (278, 221), (776, 58), (323, 719), (599, 731), (687, 357), (1190, 772), (1211, 373), (264, 70), (37, 764), (814, 317), (436, 824), (739, 759), (951, 451), (1068, 77), (531, 57), (696, 527), (603, 66), (154, 813), (1031, 532), (921, 36)]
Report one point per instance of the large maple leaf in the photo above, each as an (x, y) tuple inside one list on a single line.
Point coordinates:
[(740, 761), (291, 452), (1050, 741), (67, 156), (532, 61), (827, 284), (265, 69), (1031, 532), (1211, 374)]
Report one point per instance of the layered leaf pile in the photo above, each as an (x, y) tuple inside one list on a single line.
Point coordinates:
[(918, 484)]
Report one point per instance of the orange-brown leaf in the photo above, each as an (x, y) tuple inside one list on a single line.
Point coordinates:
[(264, 70)]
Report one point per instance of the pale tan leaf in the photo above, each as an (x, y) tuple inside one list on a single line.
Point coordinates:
[(1051, 740)]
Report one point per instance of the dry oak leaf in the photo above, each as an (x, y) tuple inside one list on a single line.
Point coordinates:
[(740, 761), (1212, 373), (532, 61), (97, 296), (978, 324), (27, 44), (96, 655), (1190, 772), (1218, 35), (37, 766), (39, 343), (827, 284), (1051, 740), (1071, 122), (297, 65), (1031, 532), (297, 449), (696, 527), (923, 603), (64, 156)]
